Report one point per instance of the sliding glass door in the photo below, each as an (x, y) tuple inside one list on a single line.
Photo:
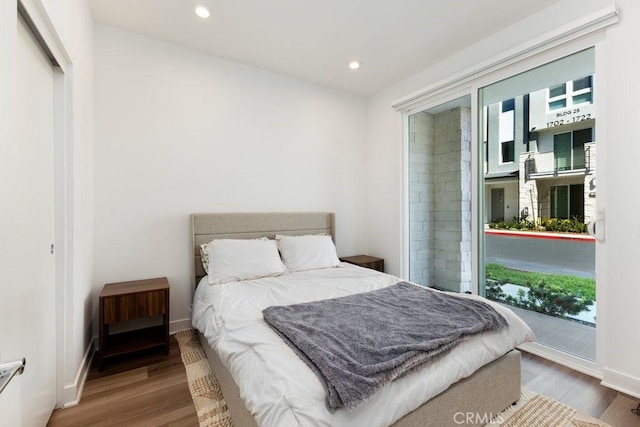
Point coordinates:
[(539, 184)]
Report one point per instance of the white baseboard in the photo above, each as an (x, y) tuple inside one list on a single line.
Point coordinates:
[(73, 392), (179, 325), (621, 382), (562, 358)]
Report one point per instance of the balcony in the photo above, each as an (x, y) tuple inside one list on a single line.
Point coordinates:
[(556, 163)]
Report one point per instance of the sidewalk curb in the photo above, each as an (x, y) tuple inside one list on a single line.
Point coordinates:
[(542, 235)]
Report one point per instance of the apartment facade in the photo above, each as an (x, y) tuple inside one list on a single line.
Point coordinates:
[(540, 154)]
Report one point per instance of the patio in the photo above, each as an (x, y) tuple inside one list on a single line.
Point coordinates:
[(566, 335)]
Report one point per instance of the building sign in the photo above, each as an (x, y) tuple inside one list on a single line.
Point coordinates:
[(540, 118), (570, 116)]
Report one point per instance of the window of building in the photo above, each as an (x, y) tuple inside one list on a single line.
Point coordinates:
[(558, 97), (558, 90), (506, 131), (581, 137), (556, 105), (562, 151), (507, 151), (575, 92), (508, 105), (568, 148), (582, 91), (582, 83), (567, 201)]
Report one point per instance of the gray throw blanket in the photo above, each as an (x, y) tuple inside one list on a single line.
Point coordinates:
[(359, 343)]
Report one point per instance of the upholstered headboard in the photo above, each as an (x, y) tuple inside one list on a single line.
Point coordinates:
[(206, 227)]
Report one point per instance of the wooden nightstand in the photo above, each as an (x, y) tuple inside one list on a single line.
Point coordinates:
[(125, 301), (365, 261)]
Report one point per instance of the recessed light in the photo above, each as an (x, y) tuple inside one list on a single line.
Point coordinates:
[(354, 65), (202, 12)]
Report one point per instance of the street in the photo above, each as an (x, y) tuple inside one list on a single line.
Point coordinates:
[(534, 252)]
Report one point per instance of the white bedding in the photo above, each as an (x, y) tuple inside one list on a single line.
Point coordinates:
[(280, 390)]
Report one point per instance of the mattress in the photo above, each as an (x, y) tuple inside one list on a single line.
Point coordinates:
[(280, 390)]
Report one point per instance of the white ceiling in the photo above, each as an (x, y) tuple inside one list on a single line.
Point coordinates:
[(315, 40)]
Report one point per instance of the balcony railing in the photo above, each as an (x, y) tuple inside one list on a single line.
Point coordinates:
[(557, 162)]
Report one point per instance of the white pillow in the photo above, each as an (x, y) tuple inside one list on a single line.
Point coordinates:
[(307, 252), (231, 260), (204, 257), (204, 254)]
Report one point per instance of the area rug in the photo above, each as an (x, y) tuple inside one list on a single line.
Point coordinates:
[(532, 410), (206, 393), (535, 409)]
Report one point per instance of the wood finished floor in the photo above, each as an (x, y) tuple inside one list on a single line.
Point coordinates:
[(152, 390)]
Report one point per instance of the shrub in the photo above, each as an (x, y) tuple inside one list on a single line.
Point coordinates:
[(493, 290), (573, 225), (542, 298)]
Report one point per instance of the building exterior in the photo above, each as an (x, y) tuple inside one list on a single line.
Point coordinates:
[(540, 154)]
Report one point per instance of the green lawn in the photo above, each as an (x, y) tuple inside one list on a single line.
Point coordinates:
[(586, 287)]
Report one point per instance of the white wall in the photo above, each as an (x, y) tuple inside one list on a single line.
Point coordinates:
[(74, 24), (618, 153), (618, 128), (81, 46), (179, 132)]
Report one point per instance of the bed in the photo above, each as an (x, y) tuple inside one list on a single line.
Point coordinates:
[(482, 384)]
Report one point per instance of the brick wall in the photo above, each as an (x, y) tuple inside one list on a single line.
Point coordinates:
[(421, 198), (452, 200), (440, 199)]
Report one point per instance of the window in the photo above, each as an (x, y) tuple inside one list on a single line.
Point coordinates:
[(558, 97), (507, 130), (582, 83), (508, 105), (572, 93), (583, 98), (562, 151), (556, 105), (567, 201), (558, 90), (582, 136), (507, 151), (582, 91), (568, 149)]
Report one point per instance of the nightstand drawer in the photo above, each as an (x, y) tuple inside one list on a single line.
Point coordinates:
[(133, 306)]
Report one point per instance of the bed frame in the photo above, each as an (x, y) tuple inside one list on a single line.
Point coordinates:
[(209, 226), (484, 394)]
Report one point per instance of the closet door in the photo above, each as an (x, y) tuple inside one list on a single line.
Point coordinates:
[(27, 313)]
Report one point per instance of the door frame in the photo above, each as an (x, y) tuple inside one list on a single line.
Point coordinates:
[(41, 25), (582, 33)]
